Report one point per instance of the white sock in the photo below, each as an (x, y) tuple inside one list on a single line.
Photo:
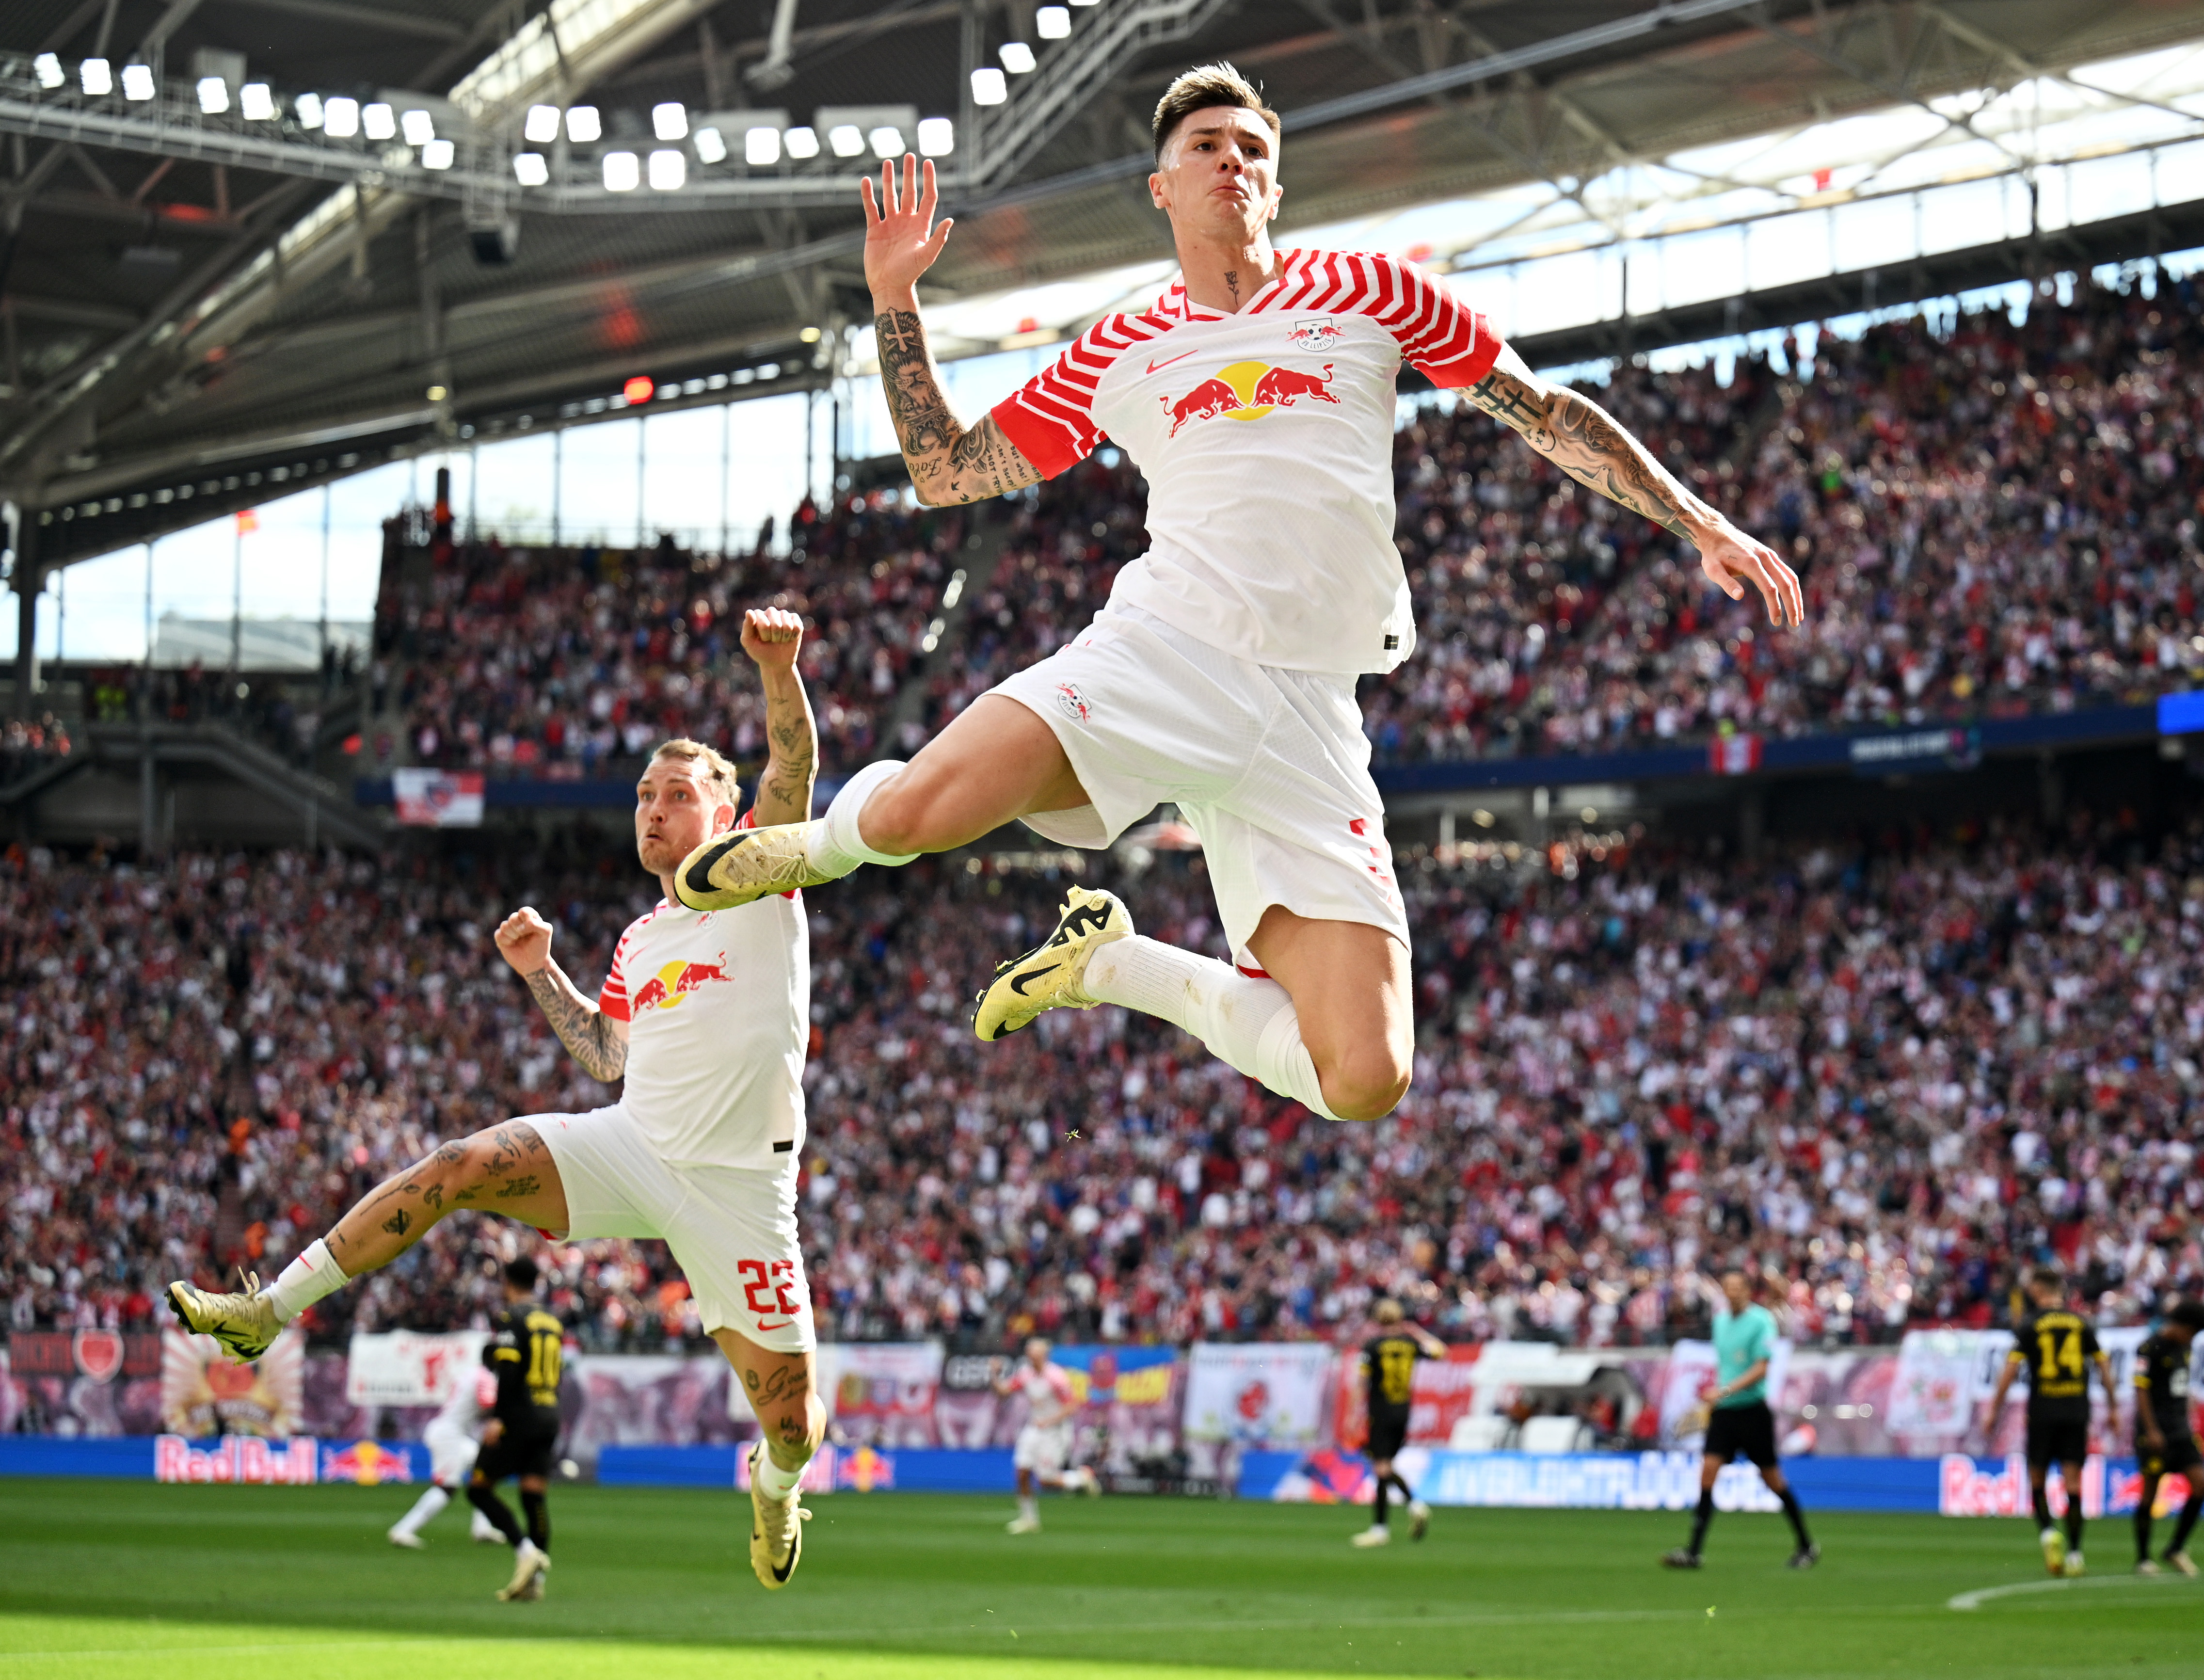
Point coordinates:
[(306, 1280), (432, 1500), (1029, 1506), (1251, 1023), (834, 846), (771, 1479)]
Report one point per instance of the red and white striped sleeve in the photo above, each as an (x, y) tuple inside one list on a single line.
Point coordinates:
[(1450, 341), (1050, 417), (612, 998)]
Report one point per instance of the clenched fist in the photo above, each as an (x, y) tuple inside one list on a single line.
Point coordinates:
[(524, 939), (772, 637)]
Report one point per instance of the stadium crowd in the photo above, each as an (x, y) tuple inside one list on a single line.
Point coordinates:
[(1988, 517), (1889, 1072), (557, 662)]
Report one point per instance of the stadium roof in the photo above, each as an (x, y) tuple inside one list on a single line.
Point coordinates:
[(211, 292)]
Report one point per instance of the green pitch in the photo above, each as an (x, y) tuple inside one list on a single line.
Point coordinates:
[(204, 1583)]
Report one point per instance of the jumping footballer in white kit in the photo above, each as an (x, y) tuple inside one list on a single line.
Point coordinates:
[(1257, 396), (1044, 1443), (706, 1018), (453, 1437)]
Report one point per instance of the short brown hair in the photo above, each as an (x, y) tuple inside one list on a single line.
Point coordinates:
[(2046, 1277), (709, 767), (1205, 87), (1389, 1311)]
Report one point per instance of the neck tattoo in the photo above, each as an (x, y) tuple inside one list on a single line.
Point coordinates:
[(1232, 279)]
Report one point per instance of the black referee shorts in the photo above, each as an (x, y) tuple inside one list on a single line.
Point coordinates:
[(1746, 1431), (515, 1455), (2058, 1440)]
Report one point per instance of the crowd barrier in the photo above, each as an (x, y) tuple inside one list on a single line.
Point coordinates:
[(1954, 1486), (1883, 1428)]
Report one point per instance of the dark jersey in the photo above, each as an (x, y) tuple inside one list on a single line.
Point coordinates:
[(1388, 1362), (2161, 1382), (525, 1352), (2054, 1348)]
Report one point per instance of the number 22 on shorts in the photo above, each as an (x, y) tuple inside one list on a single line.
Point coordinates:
[(776, 1279)]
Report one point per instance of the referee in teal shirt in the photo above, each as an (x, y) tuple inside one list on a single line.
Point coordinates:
[(1738, 1423)]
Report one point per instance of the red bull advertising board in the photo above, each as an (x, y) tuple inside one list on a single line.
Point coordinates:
[(245, 1460)]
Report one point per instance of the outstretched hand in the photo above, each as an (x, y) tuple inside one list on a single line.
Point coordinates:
[(772, 637), (901, 239), (1731, 559)]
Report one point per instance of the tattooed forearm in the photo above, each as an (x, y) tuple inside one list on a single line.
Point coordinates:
[(1584, 440), (783, 793), (586, 1033), (949, 463)]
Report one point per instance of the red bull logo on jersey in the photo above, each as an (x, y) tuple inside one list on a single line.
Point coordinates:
[(672, 984), (1248, 391)]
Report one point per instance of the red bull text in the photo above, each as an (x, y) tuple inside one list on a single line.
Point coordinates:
[(244, 1459)]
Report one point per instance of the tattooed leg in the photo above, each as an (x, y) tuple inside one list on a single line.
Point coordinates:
[(507, 1169), (782, 1392)]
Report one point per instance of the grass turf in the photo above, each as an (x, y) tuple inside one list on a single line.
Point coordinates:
[(192, 1583)]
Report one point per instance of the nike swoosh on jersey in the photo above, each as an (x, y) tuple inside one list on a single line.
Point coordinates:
[(1168, 361)]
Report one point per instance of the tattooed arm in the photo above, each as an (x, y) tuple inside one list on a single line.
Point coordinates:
[(592, 1037), (1586, 443), (949, 463), (773, 638)]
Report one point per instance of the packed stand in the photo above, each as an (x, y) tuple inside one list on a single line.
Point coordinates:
[(564, 663), (1892, 1074), (1989, 520), (28, 745)]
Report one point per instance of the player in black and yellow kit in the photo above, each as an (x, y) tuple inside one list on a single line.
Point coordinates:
[(1388, 1368), (524, 1353), (2165, 1443), (2052, 1346)]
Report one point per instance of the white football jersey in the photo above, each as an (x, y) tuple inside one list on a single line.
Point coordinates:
[(1051, 1396), (1267, 441), (474, 1392), (718, 1007)]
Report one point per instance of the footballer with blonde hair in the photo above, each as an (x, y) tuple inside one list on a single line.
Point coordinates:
[(704, 1018), (1256, 395)]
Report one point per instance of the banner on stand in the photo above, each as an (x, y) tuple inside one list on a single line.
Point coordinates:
[(1258, 1394)]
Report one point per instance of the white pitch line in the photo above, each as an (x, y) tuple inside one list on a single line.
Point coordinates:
[(1982, 1595)]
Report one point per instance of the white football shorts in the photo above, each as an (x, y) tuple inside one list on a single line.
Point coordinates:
[(1042, 1449), (732, 1229), (1269, 767), (451, 1451)]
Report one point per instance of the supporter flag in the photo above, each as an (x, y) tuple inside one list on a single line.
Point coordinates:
[(248, 521), (439, 799), (1734, 754)]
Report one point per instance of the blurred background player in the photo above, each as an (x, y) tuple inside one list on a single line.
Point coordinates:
[(2054, 1345), (524, 1356), (705, 1020), (1389, 1369), (452, 1437), (1044, 1444), (1740, 1423), (2165, 1439)]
